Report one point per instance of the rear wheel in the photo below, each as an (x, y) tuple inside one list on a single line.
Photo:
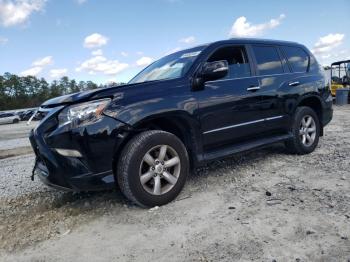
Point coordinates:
[(306, 131), (15, 121), (153, 168)]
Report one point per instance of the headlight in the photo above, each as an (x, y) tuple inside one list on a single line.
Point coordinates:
[(84, 113)]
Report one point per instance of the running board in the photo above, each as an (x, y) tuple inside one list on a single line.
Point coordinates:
[(237, 148)]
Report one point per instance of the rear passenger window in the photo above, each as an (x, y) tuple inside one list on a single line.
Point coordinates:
[(297, 58), (237, 60), (268, 60)]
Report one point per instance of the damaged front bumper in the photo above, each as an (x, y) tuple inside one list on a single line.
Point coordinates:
[(91, 169)]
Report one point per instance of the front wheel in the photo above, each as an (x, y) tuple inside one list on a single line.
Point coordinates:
[(152, 168), (305, 130)]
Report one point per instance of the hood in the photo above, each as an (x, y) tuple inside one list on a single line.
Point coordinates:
[(67, 99), (115, 91), (76, 97)]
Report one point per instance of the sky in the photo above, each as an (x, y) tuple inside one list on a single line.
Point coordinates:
[(105, 40)]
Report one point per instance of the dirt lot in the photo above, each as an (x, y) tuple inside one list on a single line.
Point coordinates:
[(265, 205)]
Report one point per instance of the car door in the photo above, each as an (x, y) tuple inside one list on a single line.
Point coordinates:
[(4, 118), (9, 118), (272, 73), (229, 107)]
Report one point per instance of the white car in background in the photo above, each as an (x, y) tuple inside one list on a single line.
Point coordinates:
[(9, 118)]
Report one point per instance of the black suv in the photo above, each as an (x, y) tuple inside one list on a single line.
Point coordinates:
[(186, 109)]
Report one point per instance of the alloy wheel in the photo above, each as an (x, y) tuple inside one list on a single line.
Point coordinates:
[(160, 170), (307, 130)]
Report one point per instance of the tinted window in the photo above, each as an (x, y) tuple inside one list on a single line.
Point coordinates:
[(237, 59), (298, 59), (268, 60)]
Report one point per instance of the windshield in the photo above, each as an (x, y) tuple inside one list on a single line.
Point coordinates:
[(169, 67)]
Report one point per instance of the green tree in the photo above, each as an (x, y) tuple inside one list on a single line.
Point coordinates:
[(28, 91)]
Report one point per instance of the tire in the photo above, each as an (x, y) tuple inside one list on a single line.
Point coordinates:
[(134, 163), (298, 144), (15, 121)]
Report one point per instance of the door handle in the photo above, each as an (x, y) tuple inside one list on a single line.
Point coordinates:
[(295, 83), (253, 88)]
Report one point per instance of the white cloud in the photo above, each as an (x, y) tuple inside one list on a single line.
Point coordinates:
[(139, 53), (80, 2), (15, 12), (144, 61), (57, 73), (330, 57), (45, 61), (100, 64), (326, 56), (188, 40), (3, 40), (97, 52), (37, 66), (125, 54), (242, 28), (328, 43), (95, 40), (34, 71)]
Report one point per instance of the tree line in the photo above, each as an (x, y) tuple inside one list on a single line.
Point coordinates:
[(28, 91)]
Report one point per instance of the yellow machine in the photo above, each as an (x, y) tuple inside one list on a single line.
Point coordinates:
[(340, 75)]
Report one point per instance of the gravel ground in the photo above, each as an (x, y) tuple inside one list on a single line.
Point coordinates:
[(264, 205)]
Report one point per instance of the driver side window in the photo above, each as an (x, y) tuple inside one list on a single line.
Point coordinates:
[(237, 59)]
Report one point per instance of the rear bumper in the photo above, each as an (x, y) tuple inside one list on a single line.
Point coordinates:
[(96, 143), (327, 116), (327, 113)]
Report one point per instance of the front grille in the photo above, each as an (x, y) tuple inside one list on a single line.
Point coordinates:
[(43, 112), (47, 124), (39, 114)]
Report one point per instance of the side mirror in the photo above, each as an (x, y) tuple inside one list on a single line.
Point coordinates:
[(214, 70), (210, 71)]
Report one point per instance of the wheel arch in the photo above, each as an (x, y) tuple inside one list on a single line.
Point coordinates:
[(178, 123), (315, 103)]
